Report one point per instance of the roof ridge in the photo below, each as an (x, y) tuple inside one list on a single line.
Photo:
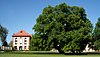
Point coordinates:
[(22, 33)]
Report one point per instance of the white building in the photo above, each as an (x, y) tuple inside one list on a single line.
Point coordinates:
[(21, 40)]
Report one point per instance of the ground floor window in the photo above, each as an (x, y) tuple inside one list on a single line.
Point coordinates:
[(24, 47), (15, 47)]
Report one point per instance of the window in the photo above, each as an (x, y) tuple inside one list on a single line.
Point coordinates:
[(25, 43), (25, 40), (20, 43), (15, 43), (24, 47), (15, 40), (21, 31), (15, 47)]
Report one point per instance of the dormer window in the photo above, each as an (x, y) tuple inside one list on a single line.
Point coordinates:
[(21, 31)]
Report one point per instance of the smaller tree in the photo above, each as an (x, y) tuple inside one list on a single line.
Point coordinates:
[(96, 35), (5, 44), (10, 44), (3, 34)]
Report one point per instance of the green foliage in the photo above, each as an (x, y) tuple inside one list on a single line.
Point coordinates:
[(10, 44), (62, 27), (97, 44), (96, 35), (5, 44), (3, 34)]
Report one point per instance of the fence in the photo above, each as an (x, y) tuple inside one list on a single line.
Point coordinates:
[(5, 48)]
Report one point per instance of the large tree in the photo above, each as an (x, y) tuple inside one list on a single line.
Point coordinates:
[(96, 35), (63, 27), (3, 35)]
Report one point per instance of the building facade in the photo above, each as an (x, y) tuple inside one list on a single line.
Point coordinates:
[(21, 40)]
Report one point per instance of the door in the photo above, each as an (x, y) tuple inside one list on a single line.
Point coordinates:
[(20, 47)]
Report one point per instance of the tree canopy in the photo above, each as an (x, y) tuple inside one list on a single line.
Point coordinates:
[(96, 35), (63, 27), (3, 35)]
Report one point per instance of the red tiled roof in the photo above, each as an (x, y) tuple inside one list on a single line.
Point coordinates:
[(21, 33)]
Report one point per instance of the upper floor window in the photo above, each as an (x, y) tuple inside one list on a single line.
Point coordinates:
[(25, 43), (15, 43), (25, 40), (15, 40), (20, 43)]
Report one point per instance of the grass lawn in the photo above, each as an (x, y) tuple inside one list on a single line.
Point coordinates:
[(45, 55)]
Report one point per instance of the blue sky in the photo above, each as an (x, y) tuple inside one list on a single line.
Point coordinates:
[(16, 15)]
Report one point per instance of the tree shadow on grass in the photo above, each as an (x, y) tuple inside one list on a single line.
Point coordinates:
[(75, 53)]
